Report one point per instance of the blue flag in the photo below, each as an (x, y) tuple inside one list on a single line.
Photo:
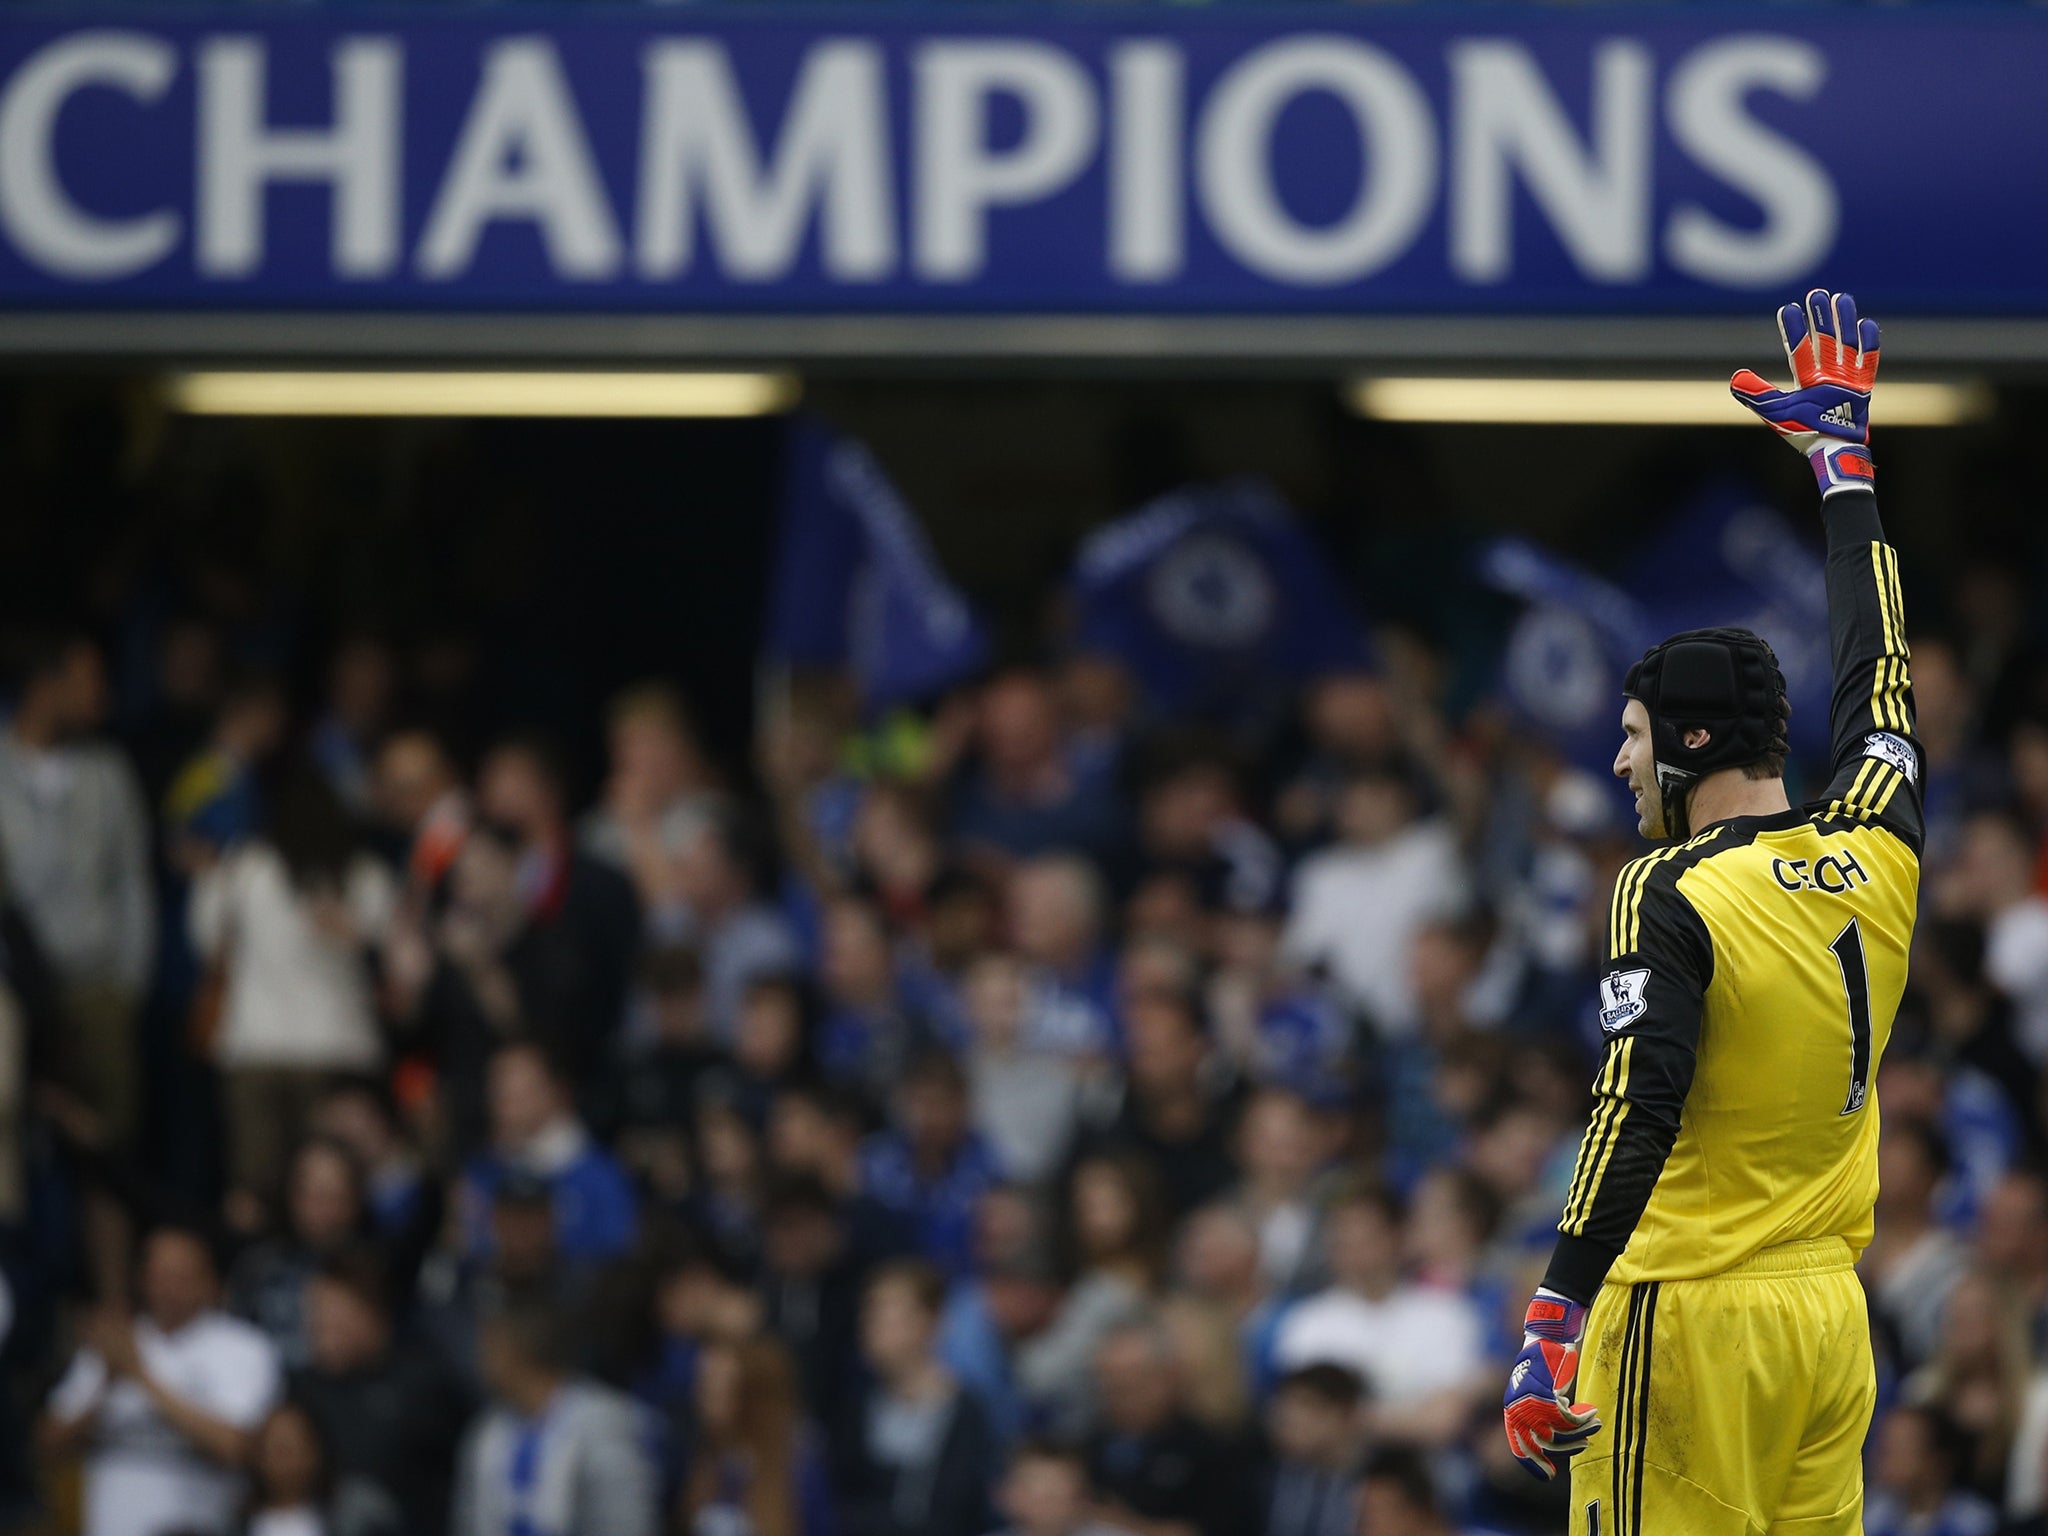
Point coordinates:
[(1210, 594), (1725, 558), (855, 583), (1568, 652)]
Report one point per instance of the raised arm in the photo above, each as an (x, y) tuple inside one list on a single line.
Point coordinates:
[(1876, 761)]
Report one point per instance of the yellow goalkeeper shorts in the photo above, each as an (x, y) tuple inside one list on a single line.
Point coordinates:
[(1733, 1406)]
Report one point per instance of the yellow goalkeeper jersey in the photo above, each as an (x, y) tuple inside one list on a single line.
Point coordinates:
[(1751, 977)]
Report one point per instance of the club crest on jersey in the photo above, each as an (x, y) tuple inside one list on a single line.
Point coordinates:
[(1623, 999), (1887, 748)]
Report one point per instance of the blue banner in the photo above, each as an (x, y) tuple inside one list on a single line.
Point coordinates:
[(1727, 558), (855, 583), (1209, 595), (1722, 558), (704, 159), (1566, 655)]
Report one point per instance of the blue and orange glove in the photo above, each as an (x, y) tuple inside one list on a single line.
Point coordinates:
[(1834, 363), (1545, 1427)]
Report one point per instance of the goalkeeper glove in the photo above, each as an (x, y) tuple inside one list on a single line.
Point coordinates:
[(1542, 1420), (1827, 416)]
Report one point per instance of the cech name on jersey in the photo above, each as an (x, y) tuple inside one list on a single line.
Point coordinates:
[(1834, 874)]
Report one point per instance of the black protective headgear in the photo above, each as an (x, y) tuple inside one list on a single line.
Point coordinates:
[(1723, 681)]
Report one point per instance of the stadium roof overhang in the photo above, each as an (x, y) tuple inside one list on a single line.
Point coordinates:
[(1283, 344)]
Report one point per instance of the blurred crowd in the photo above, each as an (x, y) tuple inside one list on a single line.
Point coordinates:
[(1029, 1114)]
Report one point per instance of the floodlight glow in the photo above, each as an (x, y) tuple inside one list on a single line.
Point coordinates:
[(345, 393), (1634, 402)]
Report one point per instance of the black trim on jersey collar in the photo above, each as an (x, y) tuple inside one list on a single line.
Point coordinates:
[(1776, 821)]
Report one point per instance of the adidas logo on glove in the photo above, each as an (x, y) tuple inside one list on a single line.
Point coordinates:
[(1842, 415)]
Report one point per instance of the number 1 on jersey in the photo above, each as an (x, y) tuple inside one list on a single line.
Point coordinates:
[(1848, 951)]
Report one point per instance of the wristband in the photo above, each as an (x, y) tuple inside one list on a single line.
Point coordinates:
[(1556, 1318), (1842, 467)]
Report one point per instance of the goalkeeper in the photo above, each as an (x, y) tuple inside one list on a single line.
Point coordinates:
[(1699, 1353)]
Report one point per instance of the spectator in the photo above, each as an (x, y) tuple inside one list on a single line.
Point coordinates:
[(898, 854), (1278, 1026), (1056, 907), (1205, 1348), (916, 1457), (2013, 1247), (818, 1132), (1912, 1263), (172, 722), (719, 909), (522, 1264), (1157, 1472), (1993, 883), (75, 841), (1117, 1231), (963, 921), (1974, 1110), (1963, 774), (1193, 826), (1399, 1498), (554, 1452), (293, 917), (867, 1035), (1172, 1113), (1426, 1079), (404, 1202), (1416, 1349), (1358, 905), (1010, 1299), (324, 1213), (1027, 1100), (1098, 697), (164, 1406), (1045, 1493), (292, 1491), (1219, 1263), (1978, 1374), (810, 1279), (772, 1045), (216, 800), (362, 680), (726, 1203), (647, 1102), (658, 795), (754, 1467), (1024, 795), (933, 1166), (1522, 1148), (420, 798), (1283, 1146), (535, 1131), (582, 920), (474, 974), (2012, 1240), (1921, 1456), (699, 1300), (1451, 1221), (389, 1413), (1316, 1431), (1352, 726)]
